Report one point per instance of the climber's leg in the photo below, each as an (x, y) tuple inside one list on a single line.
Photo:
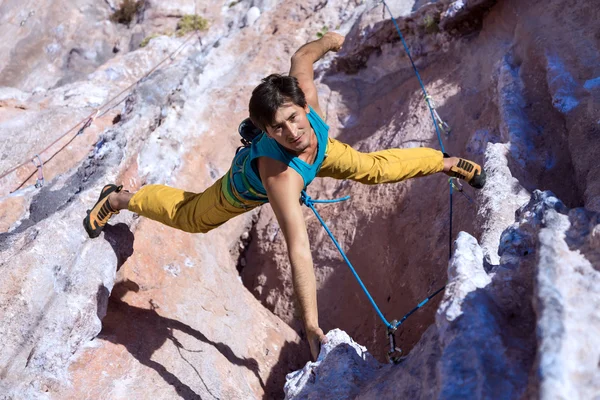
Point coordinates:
[(385, 166), (190, 212), (394, 165)]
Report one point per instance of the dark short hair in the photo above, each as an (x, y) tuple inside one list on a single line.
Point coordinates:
[(272, 93)]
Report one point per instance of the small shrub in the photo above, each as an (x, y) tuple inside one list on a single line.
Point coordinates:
[(189, 23), (127, 11), (322, 32), (233, 4), (431, 24)]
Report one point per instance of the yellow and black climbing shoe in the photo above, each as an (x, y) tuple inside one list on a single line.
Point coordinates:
[(468, 171), (98, 216)]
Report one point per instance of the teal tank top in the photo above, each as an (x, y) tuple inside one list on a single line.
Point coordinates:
[(243, 183)]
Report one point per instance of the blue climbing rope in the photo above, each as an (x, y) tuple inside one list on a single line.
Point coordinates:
[(427, 97), (421, 304), (436, 122), (310, 202)]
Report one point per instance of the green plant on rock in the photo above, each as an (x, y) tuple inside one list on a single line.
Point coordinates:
[(147, 39), (322, 32), (431, 23), (127, 11), (190, 23)]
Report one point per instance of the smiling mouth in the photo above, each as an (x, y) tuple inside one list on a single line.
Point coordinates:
[(298, 138)]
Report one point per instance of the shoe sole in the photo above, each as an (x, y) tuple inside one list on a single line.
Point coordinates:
[(86, 225), (94, 233), (478, 181)]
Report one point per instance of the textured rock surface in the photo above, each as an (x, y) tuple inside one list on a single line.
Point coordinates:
[(567, 301), (148, 312), (502, 196), (525, 329), (179, 321), (513, 76), (343, 366)]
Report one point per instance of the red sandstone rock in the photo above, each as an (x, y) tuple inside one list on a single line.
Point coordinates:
[(178, 321)]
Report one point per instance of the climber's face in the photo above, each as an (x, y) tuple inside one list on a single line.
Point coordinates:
[(291, 127)]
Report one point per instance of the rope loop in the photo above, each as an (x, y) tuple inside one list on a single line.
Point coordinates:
[(307, 200)]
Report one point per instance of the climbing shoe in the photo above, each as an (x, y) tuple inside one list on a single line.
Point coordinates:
[(99, 215), (468, 171)]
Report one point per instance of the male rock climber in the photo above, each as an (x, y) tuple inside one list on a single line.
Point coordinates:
[(291, 151)]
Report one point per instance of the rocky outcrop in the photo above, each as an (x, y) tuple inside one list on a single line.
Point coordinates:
[(343, 366), (178, 320), (503, 82), (149, 312), (519, 330)]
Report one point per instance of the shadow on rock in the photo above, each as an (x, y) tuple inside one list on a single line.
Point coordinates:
[(144, 331), (293, 356), (121, 240)]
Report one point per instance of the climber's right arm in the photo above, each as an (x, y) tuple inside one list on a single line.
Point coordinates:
[(283, 186)]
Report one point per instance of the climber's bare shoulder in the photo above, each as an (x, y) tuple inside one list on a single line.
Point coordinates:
[(279, 179)]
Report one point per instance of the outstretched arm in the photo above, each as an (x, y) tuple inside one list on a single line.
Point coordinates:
[(303, 60), (283, 187)]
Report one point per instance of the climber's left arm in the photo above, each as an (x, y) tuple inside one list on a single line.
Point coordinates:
[(302, 65)]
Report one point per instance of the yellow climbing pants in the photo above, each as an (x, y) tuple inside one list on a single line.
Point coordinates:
[(385, 166), (190, 212), (202, 212)]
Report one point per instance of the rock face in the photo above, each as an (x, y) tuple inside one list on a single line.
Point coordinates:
[(524, 329), (343, 366), (145, 311), (502, 73)]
